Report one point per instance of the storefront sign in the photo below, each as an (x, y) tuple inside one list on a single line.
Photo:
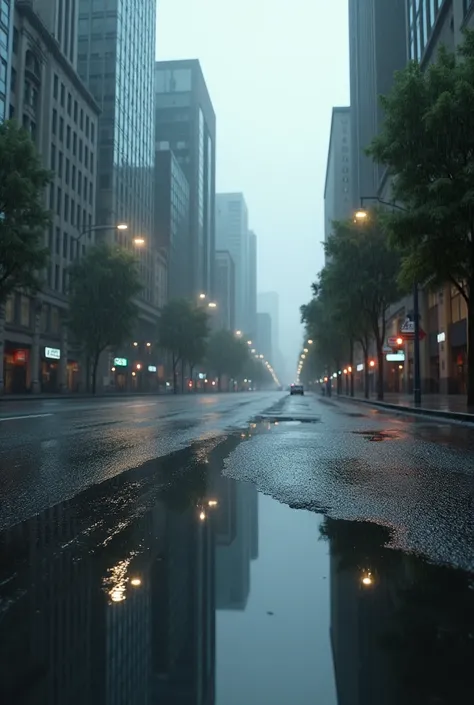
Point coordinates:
[(52, 353), (360, 367), (151, 368), (19, 357), (120, 362), (396, 357), (441, 337)]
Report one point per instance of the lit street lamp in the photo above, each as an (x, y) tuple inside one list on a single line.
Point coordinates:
[(361, 216)]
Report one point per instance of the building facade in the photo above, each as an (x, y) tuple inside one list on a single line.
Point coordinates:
[(60, 18), (48, 98), (337, 189), (377, 48), (252, 285), (225, 290), (116, 54), (171, 204), (268, 302), (264, 335), (232, 235), (185, 123), (6, 41)]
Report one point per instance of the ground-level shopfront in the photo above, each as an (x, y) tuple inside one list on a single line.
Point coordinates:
[(53, 373)]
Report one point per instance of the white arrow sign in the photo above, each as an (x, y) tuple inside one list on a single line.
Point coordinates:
[(408, 326)]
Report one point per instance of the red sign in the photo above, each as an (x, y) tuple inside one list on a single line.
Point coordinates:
[(19, 357), (411, 336)]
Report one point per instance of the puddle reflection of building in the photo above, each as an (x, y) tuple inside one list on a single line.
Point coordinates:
[(236, 542), (128, 622), (362, 611)]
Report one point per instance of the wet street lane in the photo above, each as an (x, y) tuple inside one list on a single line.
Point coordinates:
[(52, 449), (318, 553)]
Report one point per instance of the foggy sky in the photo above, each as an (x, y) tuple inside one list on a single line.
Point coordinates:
[(274, 70)]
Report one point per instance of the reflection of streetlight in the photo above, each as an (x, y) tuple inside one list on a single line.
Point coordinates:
[(212, 503), (136, 582), (139, 241), (202, 516), (367, 579)]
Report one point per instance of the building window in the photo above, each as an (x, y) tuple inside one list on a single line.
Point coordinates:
[(55, 86), (69, 104), (65, 245), (55, 121), (61, 129), (53, 158), (68, 137), (63, 95)]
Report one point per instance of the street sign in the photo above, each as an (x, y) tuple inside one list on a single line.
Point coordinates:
[(408, 326), (392, 341), (410, 337), (387, 348)]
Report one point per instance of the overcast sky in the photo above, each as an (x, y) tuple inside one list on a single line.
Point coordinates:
[(274, 70)]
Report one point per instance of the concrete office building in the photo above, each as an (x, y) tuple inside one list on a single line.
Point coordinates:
[(6, 40), (232, 235), (185, 122), (252, 285), (337, 189), (116, 55), (50, 100), (172, 220), (378, 47), (264, 335), (225, 290)]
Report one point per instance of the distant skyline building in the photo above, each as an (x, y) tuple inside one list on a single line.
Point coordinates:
[(377, 48), (6, 41), (116, 57), (252, 284), (171, 205), (185, 122), (232, 235), (268, 302), (264, 336), (337, 189), (225, 290)]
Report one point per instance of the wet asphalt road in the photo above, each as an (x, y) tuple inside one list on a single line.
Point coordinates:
[(244, 548)]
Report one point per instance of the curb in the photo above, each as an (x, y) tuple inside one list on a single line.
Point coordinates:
[(79, 397), (413, 410)]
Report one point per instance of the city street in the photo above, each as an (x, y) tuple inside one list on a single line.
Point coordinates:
[(234, 548)]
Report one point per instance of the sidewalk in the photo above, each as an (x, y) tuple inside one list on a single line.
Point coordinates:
[(100, 395), (438, 405)]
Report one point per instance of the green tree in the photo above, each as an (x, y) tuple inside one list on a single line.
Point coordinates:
[(364, 266), (427, 144), (183, 331), (24, 219), (226, 354), (102, 313)]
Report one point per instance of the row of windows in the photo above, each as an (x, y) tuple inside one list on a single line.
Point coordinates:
[(72, 176), (19, 311), (422, 16), (80, 118), (79, 148), (68, 209)]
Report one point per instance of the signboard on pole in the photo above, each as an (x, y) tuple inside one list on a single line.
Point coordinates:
[(407, 330)]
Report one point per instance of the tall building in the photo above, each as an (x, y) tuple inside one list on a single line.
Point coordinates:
[(6, 22), (225, 290), (60, 18), (337, 189), (50, 101), (185, 122), (252, 285), (232, 234), (264, 335), (378, 47), (268, 303), (172, 220), (116, 54)]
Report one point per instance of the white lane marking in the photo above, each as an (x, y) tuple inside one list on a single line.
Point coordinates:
[(26, 416), (137, 406)]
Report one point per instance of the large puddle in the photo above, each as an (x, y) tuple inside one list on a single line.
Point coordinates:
[(177, 585)]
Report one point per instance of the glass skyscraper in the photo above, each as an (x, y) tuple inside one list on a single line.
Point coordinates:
[(6, 19), (116, 57)]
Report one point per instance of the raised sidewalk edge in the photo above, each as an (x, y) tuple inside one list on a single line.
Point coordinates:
[(413, 410)]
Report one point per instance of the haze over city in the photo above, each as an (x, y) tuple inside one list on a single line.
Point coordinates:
[(273, 80)]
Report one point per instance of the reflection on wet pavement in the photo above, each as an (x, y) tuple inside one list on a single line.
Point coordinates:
[(175, 584)]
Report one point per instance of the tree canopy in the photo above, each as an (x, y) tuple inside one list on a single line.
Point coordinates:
[(427, 144), (23, 218), (102, 312), (226, 354)]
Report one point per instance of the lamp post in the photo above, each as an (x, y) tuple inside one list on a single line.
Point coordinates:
[(361, 216)]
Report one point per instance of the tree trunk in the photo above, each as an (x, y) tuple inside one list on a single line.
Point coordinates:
[(88, 374), (191, 372), (95, 364), (380, 375), (338, 379), (365, 349), (470, 348), (175, 376), (351, 357), (183, 366), (219, 376)]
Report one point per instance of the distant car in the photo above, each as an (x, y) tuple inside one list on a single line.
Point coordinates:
[(297, 389)]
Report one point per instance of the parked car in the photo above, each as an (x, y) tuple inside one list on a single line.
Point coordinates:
[(297, 389)]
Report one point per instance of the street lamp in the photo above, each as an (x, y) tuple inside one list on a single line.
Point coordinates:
[(361, 216), (139, 241), (98, 228), (212, 304)]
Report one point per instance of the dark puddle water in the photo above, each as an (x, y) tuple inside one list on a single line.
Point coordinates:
[(174, 584)]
